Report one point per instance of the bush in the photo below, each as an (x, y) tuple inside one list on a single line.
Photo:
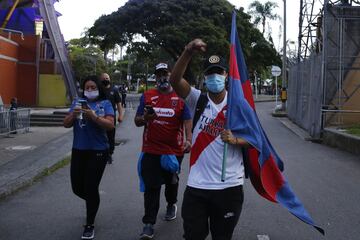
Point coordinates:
[(141, 89)]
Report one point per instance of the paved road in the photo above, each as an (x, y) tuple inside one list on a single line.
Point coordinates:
[(325, 179)]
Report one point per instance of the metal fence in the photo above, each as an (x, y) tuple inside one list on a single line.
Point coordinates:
[(305, 91), (12, 121), (324, 89)]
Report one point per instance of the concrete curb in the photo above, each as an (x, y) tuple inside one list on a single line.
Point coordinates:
[(295, 129), (335, 138), (26, 169), (264, 100)]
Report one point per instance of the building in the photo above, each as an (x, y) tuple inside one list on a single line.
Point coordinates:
[(28, 69)]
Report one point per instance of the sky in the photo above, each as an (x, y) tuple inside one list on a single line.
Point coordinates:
[(80, 14)]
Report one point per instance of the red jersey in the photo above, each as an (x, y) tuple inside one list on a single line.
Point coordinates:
[(165, 134)]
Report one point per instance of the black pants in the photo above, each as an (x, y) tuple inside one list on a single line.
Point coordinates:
[(111, 137), (123, 99), (218, 208), (86, 170), (154, 176)]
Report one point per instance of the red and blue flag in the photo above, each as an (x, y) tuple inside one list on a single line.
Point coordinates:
[(263, 163)]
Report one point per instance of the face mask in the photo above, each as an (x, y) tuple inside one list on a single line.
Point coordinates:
[(91, 95), (163, 83), (215, 83), (106, 82)]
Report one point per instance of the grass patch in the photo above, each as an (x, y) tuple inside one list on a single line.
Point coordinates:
[(52, 169), (42, 174), (354, 130)]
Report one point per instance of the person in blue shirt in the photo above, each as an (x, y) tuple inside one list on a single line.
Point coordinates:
[(90, 116)]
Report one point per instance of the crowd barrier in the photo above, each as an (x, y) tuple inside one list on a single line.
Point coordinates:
[(12, 121)]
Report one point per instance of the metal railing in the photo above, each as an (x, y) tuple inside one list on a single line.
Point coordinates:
[(10, 31), (12, 121)]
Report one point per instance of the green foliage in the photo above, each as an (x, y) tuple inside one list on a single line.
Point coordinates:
[(141, 89), (263, 12), (167, 26), (85, 59), (355, 130)]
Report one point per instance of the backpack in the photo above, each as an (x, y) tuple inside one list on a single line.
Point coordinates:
[(200, 107)]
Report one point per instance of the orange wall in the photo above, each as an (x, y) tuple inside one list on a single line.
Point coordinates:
[(28, 47), (8, 77), (8, 70), (9, 49), (19, 79), (27, 84)]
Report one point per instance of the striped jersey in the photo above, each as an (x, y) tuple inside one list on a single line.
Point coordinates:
[(207, 148)]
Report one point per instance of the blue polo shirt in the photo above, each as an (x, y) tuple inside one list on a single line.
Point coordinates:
[(87, 134)]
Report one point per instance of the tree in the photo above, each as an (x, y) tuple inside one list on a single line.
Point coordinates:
[(263, 12), (167, 26), (85, 58), (104, 34)]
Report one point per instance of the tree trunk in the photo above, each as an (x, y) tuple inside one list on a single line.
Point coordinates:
[(263, 24)]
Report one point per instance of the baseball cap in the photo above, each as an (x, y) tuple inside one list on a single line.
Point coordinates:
[(215, 61), (161, 66)]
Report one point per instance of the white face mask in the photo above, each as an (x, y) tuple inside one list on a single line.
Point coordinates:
[(91, 95)]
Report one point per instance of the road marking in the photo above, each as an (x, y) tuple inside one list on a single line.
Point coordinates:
[(263, 237), (20, 148)]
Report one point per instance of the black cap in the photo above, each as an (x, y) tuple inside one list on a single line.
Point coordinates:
[(215, 61), (162, 67)]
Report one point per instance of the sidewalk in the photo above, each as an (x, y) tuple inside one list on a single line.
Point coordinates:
[(27, 156), (24, 157)]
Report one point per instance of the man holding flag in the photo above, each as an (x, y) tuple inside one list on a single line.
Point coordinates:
[(235, 110), (209, 202)]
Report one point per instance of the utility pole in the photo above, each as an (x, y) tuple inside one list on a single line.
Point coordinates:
[(283, 84)]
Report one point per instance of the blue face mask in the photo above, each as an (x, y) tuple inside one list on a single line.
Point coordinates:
[(215, 83)]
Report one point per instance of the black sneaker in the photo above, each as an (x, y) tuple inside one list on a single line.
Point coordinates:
[(89, 232), (109, 159), (171, 210), (148, 232)]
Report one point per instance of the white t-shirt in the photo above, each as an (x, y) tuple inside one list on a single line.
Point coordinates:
[(207, 148)]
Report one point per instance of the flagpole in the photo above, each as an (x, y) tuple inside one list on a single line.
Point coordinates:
[(223, 170)]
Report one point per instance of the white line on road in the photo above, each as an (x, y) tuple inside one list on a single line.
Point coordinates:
[(263, 237)]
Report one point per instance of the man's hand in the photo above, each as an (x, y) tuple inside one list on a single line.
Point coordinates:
[(228, 137), (187, 146), (120, 118), (196, 45), (148, 116)]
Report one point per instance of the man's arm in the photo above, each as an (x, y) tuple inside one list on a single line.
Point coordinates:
[(180, 85), (119, 108), (188, 135), (120, 112)]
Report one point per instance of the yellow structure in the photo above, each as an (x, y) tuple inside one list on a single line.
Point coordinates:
[(351, 87), (52, 91)]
